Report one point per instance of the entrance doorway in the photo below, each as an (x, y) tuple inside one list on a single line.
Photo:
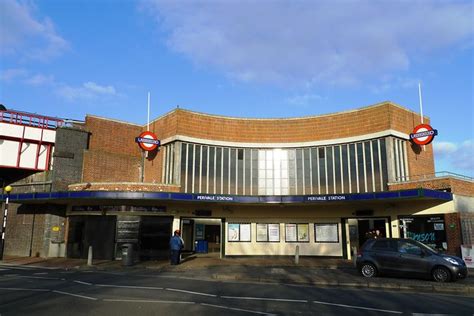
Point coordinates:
[(361, 229), (201, 235), (95, 231)]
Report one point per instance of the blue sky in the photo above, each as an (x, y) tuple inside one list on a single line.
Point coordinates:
[(243, 58)]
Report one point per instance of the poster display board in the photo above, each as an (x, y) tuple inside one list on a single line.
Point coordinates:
[(274, 232), (233, 232), (262, 232), (244, 232), (290, 232), (239, 232), (468, 255), (326, 232), (303, 232), (268, 232)]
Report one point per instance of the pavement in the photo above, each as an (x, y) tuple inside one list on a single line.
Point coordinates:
[(318, 272)]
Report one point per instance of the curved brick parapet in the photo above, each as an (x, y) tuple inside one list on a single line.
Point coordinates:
[(124, 186)]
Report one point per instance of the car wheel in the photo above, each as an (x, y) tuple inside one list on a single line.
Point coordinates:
[(368, 270), (441, 274)]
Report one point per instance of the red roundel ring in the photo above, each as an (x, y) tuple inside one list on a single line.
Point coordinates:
[(147, 141), (423, 134)]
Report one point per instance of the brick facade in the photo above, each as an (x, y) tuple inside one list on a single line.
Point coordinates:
[(453, 233), (456, 186), (124, 186), (114, 156)]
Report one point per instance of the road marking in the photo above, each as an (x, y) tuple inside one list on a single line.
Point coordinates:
[(191, 292), (39, 273), (237, 309), (75, 295), (22, 267), (38, 277), (131, 287), (11, 275), (359, 307), (147, 301), (23, 289), (81, 282), (265, 299), (424, 314)]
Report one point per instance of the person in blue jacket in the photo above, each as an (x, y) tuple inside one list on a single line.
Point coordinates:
[(176, 245)]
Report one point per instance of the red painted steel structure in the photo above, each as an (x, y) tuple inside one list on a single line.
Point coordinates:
[(32, 120)]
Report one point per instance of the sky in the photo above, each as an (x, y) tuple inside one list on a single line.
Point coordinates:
[(263, 59)]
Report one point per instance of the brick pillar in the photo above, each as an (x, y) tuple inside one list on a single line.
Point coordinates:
[(453, 233)]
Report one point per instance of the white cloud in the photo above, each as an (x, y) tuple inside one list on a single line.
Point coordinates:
[(460, 156), (304, 99), (40, 80), (88, 90), (311, 42), (13, 74), (443, 149), (23, 35)]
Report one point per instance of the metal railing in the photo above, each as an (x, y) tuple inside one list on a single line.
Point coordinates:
[(30, 119), (432, 176)]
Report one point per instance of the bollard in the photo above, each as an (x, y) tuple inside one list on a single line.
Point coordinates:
[(354, 256), (297, 254), (89, 256)]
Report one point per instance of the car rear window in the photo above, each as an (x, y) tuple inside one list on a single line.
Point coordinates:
[(382, 245)]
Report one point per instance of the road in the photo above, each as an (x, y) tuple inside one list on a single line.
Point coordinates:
[(40, 291)]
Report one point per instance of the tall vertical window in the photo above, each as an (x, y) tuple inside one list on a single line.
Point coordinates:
[(333, 169)]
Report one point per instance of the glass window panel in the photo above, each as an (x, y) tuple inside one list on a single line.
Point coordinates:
[(247, 162), (375, 148), (197, 167), (314, 170), (183, 167), (292, 171), (225, 172), (337, 169), (345, 169), (383, 153), (204, 170), (299, 171), (352, 158), (233, 165), (307, 171), (322, 169), (360, 165), (212, 151), (255, 171), (368, 167), (330, 165), (218, 170), (190, 167), (240, 171)]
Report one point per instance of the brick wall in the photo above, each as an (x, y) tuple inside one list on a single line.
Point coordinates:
[(453, 233), (113, 154), (456, 186), (112, 144), (124, 186), (19, 230)]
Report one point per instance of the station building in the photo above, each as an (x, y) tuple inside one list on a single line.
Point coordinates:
[(234, 186)]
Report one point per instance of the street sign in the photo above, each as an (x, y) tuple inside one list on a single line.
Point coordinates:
[(423, 134), (147, 141)]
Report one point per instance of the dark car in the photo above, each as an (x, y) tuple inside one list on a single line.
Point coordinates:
[(409, 258)]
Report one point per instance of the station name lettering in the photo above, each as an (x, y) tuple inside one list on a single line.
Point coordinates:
[(214, 198), (327, 198)]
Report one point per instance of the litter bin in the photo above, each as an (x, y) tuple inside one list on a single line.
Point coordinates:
[(201, 246), (127, 254)]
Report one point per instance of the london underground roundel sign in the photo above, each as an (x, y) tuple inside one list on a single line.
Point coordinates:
[(147, 141), (423, 134)]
